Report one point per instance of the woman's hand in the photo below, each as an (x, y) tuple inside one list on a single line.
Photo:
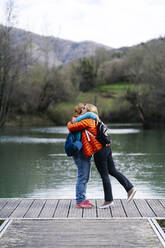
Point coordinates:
[(73, 120), (98, 120)]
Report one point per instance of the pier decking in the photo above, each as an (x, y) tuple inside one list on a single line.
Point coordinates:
[(51, 223), (53, 208)]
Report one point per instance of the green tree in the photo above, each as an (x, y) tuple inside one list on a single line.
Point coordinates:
[(86, 74)]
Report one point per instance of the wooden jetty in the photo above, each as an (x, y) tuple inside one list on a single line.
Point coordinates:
[(49, 223), (54, 208)]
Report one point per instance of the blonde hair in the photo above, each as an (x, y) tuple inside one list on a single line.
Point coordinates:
[(78, 109), (91, 108)]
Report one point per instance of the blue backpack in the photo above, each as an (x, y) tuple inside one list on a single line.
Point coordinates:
[(72, 147)]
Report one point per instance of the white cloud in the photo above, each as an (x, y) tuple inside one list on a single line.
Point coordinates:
[(112, 22)]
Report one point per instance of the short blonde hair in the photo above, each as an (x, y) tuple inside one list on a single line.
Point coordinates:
[(91, 108), (78, 109)]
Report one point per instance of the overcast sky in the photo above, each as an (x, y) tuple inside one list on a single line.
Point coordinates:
[(114, 23)]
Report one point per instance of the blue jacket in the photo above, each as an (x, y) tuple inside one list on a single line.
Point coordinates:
[(88, 115)]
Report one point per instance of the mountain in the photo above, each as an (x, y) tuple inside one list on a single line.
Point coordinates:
[(59, 51)]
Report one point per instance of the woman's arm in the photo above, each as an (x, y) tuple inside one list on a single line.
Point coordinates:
[(78, 125), (88, 115)]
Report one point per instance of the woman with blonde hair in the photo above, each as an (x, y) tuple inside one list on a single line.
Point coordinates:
[(102, 156)]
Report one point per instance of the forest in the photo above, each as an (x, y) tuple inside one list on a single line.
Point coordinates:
[(126, 84)]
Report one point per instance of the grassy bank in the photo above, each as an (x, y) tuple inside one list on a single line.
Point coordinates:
[(115, 89), (108, 98)]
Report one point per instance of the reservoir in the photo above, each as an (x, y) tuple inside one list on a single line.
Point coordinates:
[(33, 163)]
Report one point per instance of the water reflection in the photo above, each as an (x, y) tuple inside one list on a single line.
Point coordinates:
[(8, 139), (161, 223), (33, 163), (124, 131), (53, 130)]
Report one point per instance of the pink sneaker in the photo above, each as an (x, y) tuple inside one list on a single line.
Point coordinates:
[(88, 202), (83, 205)]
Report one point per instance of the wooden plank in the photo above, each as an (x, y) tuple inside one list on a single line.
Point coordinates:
[(22, 208), (35, 209), (90, 212), (49, 209), (62, 210), (117, 209), (157, 207), (4, 226), (9, 208), (130, 208), (75, 212), (40, 208), (103, 213), (143, 208), (162, 201), (3, 202), (110, 233)]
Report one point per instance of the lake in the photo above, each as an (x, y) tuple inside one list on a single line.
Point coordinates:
[(33, 163)]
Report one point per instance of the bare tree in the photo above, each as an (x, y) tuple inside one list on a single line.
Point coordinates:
[(146, 71), (13, 60), (5, 63)]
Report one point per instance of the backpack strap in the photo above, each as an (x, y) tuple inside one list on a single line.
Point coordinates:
[(89, 133)]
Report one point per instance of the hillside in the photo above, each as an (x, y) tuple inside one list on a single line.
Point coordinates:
[(59, 51), (127, 84)]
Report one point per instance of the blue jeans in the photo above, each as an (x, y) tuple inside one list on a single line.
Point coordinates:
[(83, 171), (105, 166)]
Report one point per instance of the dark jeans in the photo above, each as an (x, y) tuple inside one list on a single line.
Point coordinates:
[(105, 166)]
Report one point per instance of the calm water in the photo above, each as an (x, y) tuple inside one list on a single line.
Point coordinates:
[(33, 163)]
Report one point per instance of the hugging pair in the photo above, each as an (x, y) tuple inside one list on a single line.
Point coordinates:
[(84, 126)]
